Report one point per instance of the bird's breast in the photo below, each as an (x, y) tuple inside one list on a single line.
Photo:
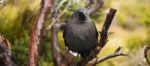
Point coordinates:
[(80, 29)]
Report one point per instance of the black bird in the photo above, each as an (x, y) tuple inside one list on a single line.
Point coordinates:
[(80, 33)]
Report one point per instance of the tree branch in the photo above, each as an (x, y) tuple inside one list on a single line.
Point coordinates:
[(5, 53), (33, 55), (104, 34), (57, 58), (115, 54), (92, 9), (90, 3), (55, 26), (145, 54)]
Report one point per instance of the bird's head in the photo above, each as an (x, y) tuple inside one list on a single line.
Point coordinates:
[(80, 14)]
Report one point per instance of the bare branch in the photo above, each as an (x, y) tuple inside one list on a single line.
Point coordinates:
[(55, 26), (145, 54), (90, 3), (33, 55), (115, 54), (94, 8), (54, 37), (57, 58), (5, 53), (99, 60), (106, 25)]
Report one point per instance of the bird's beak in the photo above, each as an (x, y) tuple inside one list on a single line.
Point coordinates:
[(82, 16)]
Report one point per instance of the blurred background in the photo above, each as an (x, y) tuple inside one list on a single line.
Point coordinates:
[(130, 27)]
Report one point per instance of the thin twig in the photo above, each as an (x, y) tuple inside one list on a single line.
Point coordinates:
[(115, 54), (146, 55), (90, 3), (98, 4)]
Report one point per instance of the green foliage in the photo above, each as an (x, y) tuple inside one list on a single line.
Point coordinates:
[(45, 52), (15, 20), (20, 49), (133, 14), (148, 37), (134, 42)]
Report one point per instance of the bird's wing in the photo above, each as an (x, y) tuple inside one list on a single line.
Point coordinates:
[(64, 33), (95, 30), (64, 29), (92, 36), (70, 41)]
